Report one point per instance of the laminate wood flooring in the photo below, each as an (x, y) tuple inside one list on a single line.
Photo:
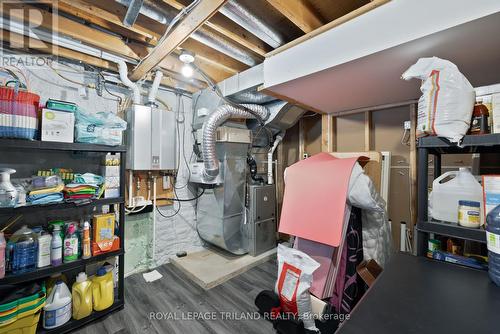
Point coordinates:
[(175, 304)]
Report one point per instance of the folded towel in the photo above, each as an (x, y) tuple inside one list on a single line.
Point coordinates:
[(41, 191), (50, 198)]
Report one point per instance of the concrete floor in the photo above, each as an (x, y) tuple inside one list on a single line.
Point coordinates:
[(175, 304)]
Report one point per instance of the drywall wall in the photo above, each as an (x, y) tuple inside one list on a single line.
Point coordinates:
[(172, 234)]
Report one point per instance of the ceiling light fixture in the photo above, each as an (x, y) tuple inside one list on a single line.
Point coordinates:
[(187, 58)]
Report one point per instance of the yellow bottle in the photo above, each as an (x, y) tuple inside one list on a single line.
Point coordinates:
[(102, 289), (82, 297)]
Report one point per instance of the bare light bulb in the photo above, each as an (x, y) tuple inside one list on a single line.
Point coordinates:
[(187, 71)]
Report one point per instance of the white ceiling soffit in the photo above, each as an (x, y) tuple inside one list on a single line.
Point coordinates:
[(359, 63)]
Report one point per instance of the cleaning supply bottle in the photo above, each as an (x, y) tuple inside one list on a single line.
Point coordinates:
[(44, 248), (3, 245), (56, 247), (493, 241), (82, 297), (57, 309), (86, 253), (102, 289), (24, 250), (70, 245), (445, 195)]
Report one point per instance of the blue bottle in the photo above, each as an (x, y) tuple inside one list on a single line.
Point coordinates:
[(23, 249), (493, 241)]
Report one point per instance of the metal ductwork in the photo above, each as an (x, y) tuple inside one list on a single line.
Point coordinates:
[(216, 119), (203, 35), (244, 18)]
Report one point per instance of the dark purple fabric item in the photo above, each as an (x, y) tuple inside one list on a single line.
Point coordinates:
[(349, 287)]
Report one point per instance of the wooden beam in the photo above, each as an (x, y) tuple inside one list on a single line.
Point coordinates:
[(299, 12), (79, 31), (413, 168), (34, 44), (229, 29), (201, 13), (341, 20), (221, 68), (368, 131), (328, 133)]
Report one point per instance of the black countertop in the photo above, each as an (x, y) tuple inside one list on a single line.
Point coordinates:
[(419, 295)]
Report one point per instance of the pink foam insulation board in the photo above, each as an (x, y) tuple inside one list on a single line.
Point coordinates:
[(315, 198)]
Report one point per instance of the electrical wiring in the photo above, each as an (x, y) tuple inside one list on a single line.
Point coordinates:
[(92, 86)]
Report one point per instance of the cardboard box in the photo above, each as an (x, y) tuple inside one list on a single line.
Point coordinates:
[(58, 126), (491, 192)]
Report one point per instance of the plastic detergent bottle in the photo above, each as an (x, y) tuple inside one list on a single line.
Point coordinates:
[(446, 195), (82, 297), (56, 247), (57, 310), (3, 245), (70, 245), (24, 250), (493, 241), (102, 289)]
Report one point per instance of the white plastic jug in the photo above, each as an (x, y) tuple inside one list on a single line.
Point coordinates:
[(445, 196), (57, 310)]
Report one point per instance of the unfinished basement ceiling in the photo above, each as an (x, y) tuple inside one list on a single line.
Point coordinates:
[(223, 45)]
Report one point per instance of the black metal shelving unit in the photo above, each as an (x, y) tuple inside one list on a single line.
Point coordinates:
[(18, 144), (437, 146)]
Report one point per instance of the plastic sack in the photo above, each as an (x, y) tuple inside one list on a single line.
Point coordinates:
[(446, 105), (295, 270), (99, 128)]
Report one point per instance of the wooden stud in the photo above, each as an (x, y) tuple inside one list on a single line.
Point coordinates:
[(413, 167), (201, 13), (368, 131), (302, 139), (328, 133), (299, 12)]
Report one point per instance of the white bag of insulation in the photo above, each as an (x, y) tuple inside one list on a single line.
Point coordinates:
[(295, 270), (446, 105)]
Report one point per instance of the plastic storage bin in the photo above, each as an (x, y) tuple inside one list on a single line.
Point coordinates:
[(18, 113), (21, 307)]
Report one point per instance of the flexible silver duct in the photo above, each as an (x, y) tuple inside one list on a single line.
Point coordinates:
[(216, 119), (251, 97), (202, 35), (242, 17)]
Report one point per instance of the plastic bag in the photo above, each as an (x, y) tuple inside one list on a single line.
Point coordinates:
[(295, 270), (446, 105), (99, 128)]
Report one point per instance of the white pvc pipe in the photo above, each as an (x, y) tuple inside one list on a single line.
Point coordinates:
[(123, 70), (130, 189), (154, 88), (270, 179)]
